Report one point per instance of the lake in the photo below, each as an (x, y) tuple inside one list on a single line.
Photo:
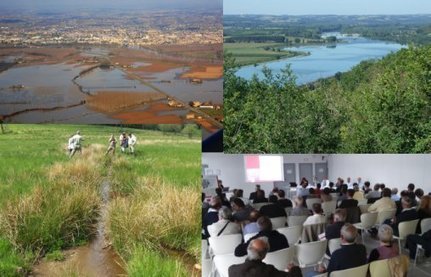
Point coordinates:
[(325, 61)]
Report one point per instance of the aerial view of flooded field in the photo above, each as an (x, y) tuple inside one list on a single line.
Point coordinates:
[(110, 85)]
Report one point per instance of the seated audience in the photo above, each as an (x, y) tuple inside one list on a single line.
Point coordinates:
[(276, 240), (408, 213), (366, 187), (282, 201), (260, 197), (211, 216), (325, 195), (349, 202), (333, 230), (375, 193), (299, 208), (359, 195), (317, 216), (252, 226), (383, 204), (343, 193), (254, 265), (318, 190), (223, 198), (350, 254), (224, 226), (331, 187), (412, 242), (394, 195), (273, 210), (253, 194), (424, 211), (387, 248), (302, 190), (240, 211), (419, 193)]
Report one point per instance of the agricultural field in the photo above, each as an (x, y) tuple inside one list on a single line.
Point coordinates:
[(95, 214)]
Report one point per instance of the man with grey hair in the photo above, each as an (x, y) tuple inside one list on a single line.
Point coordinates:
[(387, 248), (350, 254), (224, 226), (255, 267)]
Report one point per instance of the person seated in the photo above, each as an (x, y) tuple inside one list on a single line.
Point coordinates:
[(375, 194), (358, 195), (224, 201), (411, 193), (260, 197), (419, 194), (331, 187), (317, 216), (272, 210), (333, 231), (252, 226), (394, 195), (387, 248), (282, 201), (224, 226), (408, 213), (254, 265), (366, 188), (383, 204), (350, 254), (299, 208), (276, 240), (241, 212), (343, 193), (413, 240), (253, 194), (318, 190), (302, 190), (424, 210), (325, 195), (349, 202), (211, 216)]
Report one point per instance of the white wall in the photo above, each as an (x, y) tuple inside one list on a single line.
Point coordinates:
[(394, 170), (232, 172)]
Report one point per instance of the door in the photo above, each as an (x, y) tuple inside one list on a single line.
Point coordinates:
[(306, 170), (320, 171)]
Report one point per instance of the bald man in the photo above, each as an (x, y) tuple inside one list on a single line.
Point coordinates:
[(255, 267)]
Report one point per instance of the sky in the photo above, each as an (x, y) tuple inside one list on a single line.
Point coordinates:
[(70, 5), (333, 7)]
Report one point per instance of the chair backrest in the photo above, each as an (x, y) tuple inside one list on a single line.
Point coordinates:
[(223, 262), (406, 228), (334, 244), (360, 271), (249, 236), (224, 244), (362, 202), (204, 249), (257, 206), (334, 196), (278, 222), (296, 220), (380, 268), (364, 207), (387, 214), (425, 225), (311, 232), (368, 220), (311, 201), (288, 209), (281, 258), (292, 234), (310, 253), (329, 207), (383, 268)]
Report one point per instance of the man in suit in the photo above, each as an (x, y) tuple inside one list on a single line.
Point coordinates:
[(408, 213), (273, 210), (350, 254), (282, 201), (276, 240), (211, 216), (254, 267), (253, 194), (333, 231), (349, 202)]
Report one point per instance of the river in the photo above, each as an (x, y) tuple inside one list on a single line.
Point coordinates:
[(324, 61)]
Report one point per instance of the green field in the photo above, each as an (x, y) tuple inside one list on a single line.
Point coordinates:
[(49, 203), (254, 53)]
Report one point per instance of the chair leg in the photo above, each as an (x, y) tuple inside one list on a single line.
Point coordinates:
[(416, 256), (399, 246)]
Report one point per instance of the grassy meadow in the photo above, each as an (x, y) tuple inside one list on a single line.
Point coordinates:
[(49, 203)]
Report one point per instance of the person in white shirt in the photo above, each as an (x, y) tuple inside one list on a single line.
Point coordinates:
[(112, 144), (317, 216), (349, 183), (325, 183), (302, 190), (132, 142), (76, 145), (70, 144), (224, 226)]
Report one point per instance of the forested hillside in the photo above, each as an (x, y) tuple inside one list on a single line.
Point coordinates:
[(379, 106)]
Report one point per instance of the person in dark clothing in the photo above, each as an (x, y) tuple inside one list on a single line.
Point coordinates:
[(211, 216), (254, 265), (333, 231), (408, 213), (272, 210), (412, 242), (224, 201), (349, 202), (260, 197), (424, 211), (387, 248), (253, 194), (282, 201), (276, 240), (240, 211), (350, 254)]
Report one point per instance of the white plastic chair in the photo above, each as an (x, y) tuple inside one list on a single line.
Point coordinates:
[(360, 271), (281, 258), (223, 262), (364, 208), (292, 234), (278, 222), (296, 220), (368, 220), (206, 260), (334, 196), (311, 201), (288, 209), (224, 244), (383, 215), (334, 244), (362, 202), (249, 236), (329, 207), (310, 253), (405, 228), (380, 268), (425, 225), (257, 206)]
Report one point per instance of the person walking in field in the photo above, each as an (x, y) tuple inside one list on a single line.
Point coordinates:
[(132, 142), (70, 144), (76, 146), (124, 142), (112, 145)]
